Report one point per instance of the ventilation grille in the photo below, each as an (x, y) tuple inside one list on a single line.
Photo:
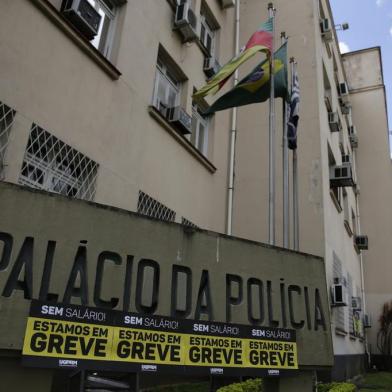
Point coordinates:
[(7, 116), (146, 205), (54, 166)]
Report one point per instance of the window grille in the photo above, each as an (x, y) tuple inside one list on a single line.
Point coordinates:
[(7, 116), (187, 222), (147, 205), (52, 165), (339, 311)]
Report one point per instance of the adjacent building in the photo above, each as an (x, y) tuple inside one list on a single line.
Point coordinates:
[(99, 108)]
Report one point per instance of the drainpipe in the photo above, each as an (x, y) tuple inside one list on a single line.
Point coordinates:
[(362, 283), (233, 131)]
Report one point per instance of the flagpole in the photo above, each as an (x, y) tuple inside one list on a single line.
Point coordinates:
[(271, 198), (233, 132), (285, 158), (295, 176)]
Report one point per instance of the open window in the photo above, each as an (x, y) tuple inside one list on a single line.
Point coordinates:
[(95, 19), (200, 129), (208, 31)]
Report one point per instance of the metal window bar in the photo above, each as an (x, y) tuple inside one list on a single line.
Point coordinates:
[(7, 117), (187, 222), (52, 165), (147, 205)]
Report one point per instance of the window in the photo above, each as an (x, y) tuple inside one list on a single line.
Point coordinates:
[(200, 125), (339, 312), (7, 116), (208, 27), (52, 165), (354, 222), (334, 191), (147, 205), (167, 86), (104, 39)]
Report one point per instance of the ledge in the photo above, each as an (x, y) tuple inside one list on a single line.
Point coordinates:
[(335, 201), (57, 19), (348, 228), (156, 115), (340, 332)]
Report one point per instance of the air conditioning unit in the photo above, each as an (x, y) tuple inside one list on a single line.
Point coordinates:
[(83, 16), (227, 3), (339, 295), (343, 91), (361, 242), (180, 118), (334, 122), (346, 158), (185, 21), (341, 176), (211, 66), (326, 29), (356, 303), (353, 136), (346, 108), (367, 321)]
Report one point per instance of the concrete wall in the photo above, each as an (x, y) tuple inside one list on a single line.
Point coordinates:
[(45, 217)]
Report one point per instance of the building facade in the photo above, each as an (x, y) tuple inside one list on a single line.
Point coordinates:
[(367, 90), (111, 120)]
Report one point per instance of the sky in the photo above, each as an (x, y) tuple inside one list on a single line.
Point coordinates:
[(370, 25)]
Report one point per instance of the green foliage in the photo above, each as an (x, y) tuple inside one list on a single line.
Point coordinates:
[(337, 387), (251, 385)]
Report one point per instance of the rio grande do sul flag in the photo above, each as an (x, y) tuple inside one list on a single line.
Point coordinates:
[(260, 41), (255, 87)]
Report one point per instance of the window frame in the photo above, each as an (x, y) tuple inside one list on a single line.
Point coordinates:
[(209, 31), (100, 5), (172, 83), (194, 137)]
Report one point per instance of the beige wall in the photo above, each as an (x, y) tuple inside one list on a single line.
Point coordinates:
[(374, 175), (50, 81)]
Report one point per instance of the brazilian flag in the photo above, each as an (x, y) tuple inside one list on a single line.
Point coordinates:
[(255, 87)]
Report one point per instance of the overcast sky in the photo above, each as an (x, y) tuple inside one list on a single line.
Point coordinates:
[(370, 25)]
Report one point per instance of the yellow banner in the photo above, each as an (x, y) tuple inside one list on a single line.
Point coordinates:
[(73, 340)]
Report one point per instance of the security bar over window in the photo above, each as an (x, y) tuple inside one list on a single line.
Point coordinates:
[(147, 205), (52, 165), (7, 116), (187, 222)]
